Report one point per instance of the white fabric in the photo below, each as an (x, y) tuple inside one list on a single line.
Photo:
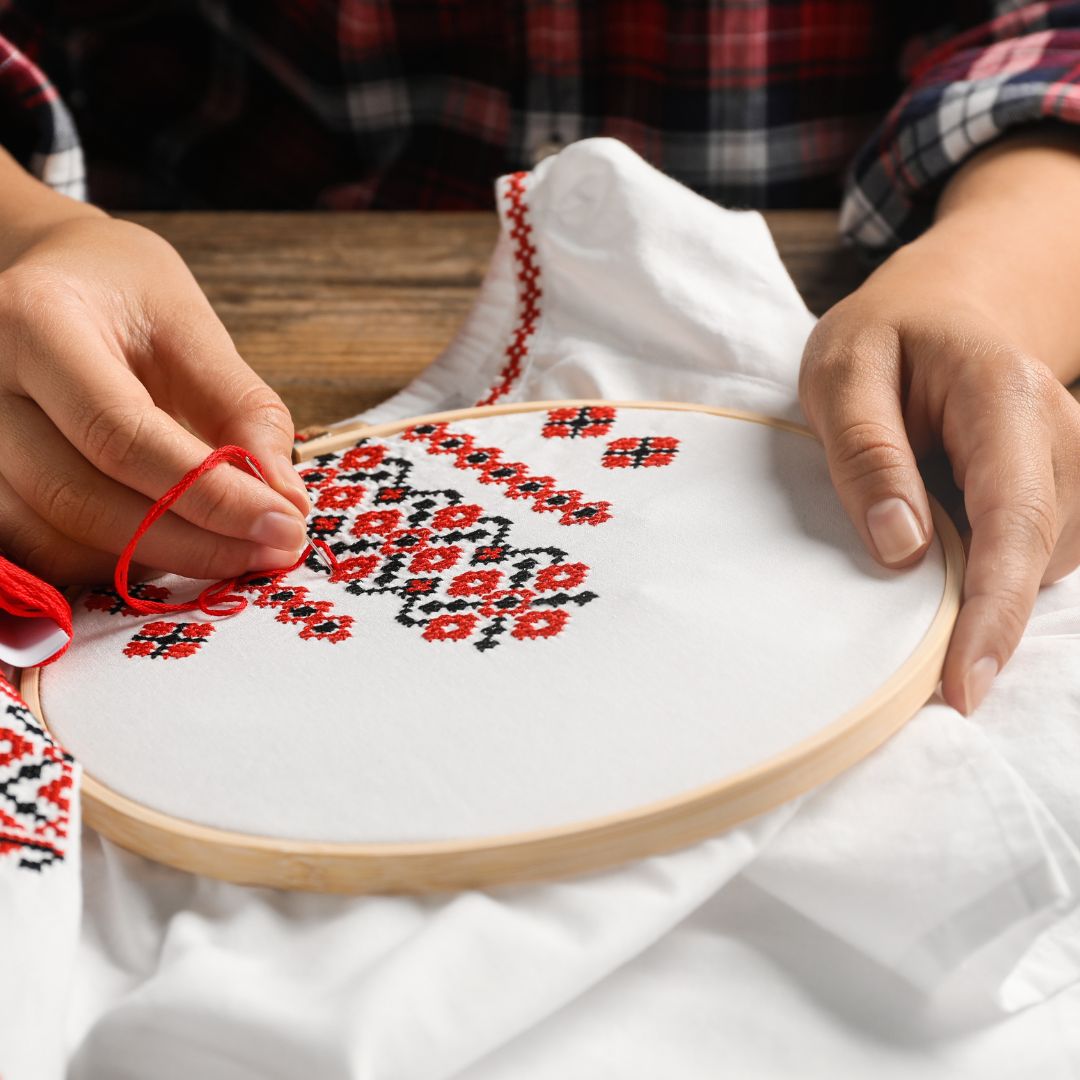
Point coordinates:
[(732, 566), (40, 894), (28, 642), (916, 917)]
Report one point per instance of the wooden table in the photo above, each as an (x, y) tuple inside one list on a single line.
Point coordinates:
[(337, 311)]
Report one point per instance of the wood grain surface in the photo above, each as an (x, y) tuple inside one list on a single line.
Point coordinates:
[(338, 310)]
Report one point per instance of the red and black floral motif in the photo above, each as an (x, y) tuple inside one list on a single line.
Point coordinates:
[(452, 564), (514, 477), (169, 640), (651, 451), (35, 787), (588, 421)]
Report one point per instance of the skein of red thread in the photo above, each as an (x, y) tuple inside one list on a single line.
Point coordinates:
[(27, 596), (209, 601)]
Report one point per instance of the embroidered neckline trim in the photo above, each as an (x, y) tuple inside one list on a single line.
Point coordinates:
[(529, 292)]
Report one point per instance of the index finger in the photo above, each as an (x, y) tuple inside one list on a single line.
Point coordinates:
[(110, 417), (207, 382)]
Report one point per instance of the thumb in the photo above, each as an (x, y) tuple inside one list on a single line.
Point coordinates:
[(852, 399)]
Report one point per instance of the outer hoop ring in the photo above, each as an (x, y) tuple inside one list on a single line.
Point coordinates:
[(581, 847)]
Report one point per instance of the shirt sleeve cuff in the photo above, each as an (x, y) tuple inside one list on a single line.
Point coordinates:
[(960, 100)]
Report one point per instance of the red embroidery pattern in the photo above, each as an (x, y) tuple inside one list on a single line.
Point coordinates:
[(108, 600), (451, 563), (652, 451), (585, 422), (529, 292), (174, 641), (316, 618), (168, 640), (35, 787), (512, 476)]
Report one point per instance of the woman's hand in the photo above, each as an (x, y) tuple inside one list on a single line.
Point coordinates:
[(961, 341), (106, 343)]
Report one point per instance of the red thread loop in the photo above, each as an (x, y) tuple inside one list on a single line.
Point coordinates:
[(211, 600)]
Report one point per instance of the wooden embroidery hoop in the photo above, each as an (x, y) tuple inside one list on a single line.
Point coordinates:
[(551, 853)]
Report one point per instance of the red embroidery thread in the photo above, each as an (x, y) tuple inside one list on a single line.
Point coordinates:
[(512, 476), (652, 451), (402, 548), (211, 599), (527, 269)]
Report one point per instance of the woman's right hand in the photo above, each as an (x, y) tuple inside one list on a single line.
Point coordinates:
[(106, 344)]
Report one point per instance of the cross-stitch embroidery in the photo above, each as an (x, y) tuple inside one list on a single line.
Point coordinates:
[(107, 599), (316, 618), (515, 479), (35, 787), (584, 422), (169, 640), (453, 564), (651, 451), (529, 292)]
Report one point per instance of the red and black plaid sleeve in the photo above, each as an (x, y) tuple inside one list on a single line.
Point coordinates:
[(1020, 67), (421, 104)]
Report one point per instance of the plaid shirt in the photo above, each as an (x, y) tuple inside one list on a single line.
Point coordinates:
[(411, 104)]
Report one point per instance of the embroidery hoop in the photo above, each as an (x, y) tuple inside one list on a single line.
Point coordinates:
[(550, 853)]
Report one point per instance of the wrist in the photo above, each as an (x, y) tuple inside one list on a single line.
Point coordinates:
[(1007, 233), (29, 210)]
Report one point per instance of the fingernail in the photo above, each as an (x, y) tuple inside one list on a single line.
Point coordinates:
[(277, 530), (977, 681), (269, 558), (894, 529)]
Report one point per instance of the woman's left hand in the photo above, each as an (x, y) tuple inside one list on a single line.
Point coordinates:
[(961, 342)]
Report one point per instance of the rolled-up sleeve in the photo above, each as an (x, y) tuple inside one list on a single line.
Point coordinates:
[(1018, 68), (35, 125)]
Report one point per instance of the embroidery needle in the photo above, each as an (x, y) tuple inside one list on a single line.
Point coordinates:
[(323, 554)]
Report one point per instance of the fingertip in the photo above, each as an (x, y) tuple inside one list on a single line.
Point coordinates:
[(977, 681), (974, 659), (965, 687), (276, 530), (269, 558)]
